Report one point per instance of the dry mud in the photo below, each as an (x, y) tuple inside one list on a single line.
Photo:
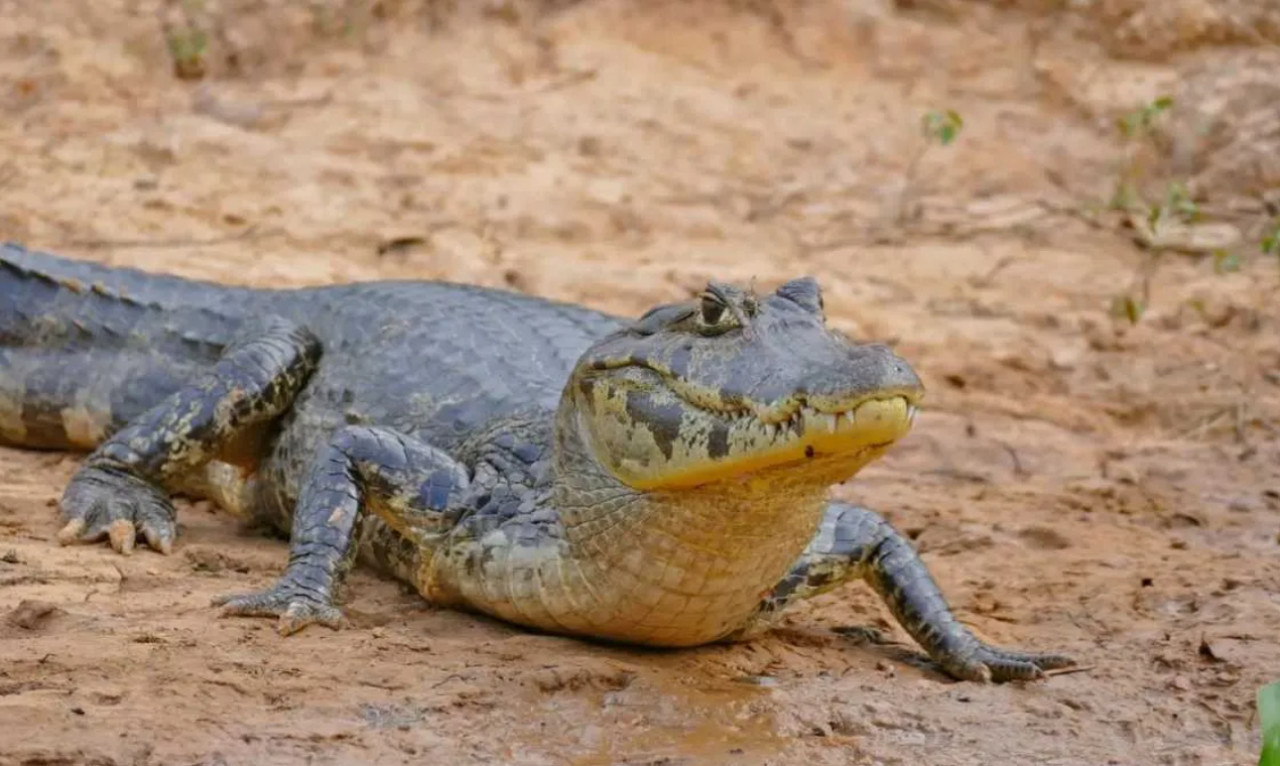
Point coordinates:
[(1078, 482)]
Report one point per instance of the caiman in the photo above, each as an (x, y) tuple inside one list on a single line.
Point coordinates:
[(660, 481)]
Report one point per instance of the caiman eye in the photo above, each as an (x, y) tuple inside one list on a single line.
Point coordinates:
[(713, 310), (715, 317)]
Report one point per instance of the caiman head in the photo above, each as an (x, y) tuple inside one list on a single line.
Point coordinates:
[(732, 384)]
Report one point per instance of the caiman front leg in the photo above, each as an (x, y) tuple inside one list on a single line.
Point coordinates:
[(122, 489), (856, 543), (415, 488)]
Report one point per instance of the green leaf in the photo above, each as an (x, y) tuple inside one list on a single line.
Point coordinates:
[(1271, 240), (1269, 715), (188, 44), (941, 126), (1178, 199), (1141, 119), (1154, 215), (1127, 307), (1225, 262)]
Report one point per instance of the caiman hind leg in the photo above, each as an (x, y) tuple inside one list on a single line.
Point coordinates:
[(415, 488), (121, 490), (855, 543)]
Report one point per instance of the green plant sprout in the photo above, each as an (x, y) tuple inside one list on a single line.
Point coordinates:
[(187, 42), (1128, 307), (1225, 262), (1271, 238), (1269, 715), (1162, 219), (941, 127), (187, 47), (1177, 201), (1177, 206), (1138, 123), (1136, 127)]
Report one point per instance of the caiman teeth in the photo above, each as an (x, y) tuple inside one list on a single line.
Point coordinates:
[(782, 424), (777, 424)]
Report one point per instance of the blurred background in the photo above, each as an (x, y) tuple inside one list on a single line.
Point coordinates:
[(1064, 213)]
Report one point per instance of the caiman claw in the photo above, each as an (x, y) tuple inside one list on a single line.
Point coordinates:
[(990, 664), (295, 605), (103, 503)]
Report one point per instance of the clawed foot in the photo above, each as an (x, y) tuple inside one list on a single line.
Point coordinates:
[(986, 663), (100, 502), (295, 606), (982, 663)]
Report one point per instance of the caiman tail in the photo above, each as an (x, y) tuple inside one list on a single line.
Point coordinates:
[(85, 348)]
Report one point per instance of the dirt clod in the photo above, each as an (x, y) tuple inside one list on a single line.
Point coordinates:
[(32, 615)]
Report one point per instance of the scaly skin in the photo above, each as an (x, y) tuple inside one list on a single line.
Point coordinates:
[(660, 482)]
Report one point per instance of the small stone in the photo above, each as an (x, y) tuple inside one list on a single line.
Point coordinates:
[(1181, 683), (31, 614), (107, 697), (378, 632)]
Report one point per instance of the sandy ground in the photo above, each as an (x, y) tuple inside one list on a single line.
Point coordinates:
[(1078, 482)]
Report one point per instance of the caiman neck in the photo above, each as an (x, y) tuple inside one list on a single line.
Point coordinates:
[(685, 566)]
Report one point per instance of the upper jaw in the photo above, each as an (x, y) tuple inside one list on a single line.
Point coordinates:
[(803, 429), (867, 412), (786, 408), (837, 414), (835, 409)]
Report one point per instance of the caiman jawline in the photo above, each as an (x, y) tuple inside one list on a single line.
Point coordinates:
[(779, 420)]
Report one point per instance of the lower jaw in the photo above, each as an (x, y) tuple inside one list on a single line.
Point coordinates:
[(826, 469)]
